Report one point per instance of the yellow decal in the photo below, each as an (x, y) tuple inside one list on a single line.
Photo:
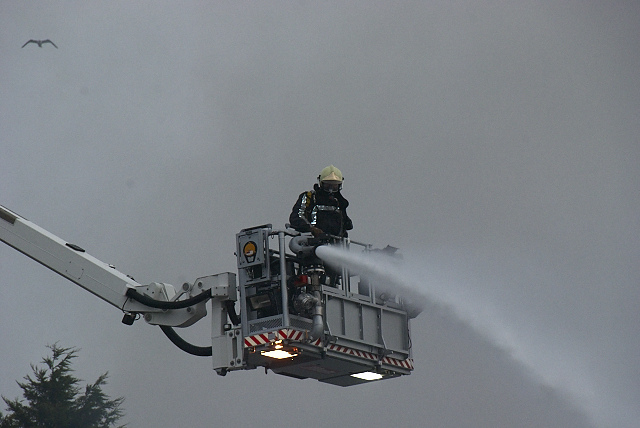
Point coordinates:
[(249, 251)]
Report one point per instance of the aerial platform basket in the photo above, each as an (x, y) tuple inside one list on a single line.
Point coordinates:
[(361, 337)]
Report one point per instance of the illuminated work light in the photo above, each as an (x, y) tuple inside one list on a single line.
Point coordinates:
[(279, 353), (367, 375)]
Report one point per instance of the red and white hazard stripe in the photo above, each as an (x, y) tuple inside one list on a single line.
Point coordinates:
[(284, 334), (353, 352), (295, 335), (405, 364), (257, 339)]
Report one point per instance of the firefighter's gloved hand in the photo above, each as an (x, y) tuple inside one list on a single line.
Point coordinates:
[(316, 231)]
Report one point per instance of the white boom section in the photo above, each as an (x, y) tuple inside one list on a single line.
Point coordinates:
[(69, 260)]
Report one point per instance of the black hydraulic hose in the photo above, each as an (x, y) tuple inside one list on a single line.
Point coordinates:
[(200, 351), (230, 305), (161, 304)]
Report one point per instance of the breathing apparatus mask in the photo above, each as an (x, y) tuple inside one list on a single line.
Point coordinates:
[(331, 186)]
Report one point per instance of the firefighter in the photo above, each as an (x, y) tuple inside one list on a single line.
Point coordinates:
[(323, 210)]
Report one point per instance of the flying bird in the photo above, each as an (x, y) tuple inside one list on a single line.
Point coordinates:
[(40, 42)]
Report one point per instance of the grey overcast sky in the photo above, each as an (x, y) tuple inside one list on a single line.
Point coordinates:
[(496, 143)]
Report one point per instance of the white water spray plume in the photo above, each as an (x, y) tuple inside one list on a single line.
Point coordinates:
[(420, 285)]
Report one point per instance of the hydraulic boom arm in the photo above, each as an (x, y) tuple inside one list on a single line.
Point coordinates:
[(158, 302)]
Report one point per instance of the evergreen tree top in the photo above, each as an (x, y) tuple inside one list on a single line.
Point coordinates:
[(54, 398)]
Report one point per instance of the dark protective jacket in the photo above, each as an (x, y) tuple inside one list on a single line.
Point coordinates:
[(323, 210)]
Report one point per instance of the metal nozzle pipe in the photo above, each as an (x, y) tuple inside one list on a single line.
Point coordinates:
[(318, 318)]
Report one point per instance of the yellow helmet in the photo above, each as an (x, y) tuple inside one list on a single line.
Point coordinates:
[(330, 179)]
